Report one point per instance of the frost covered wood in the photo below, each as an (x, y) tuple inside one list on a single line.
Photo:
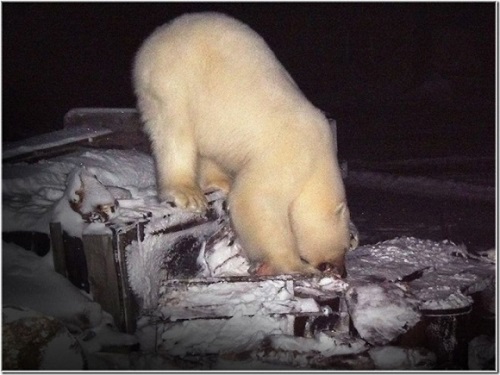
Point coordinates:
[(160, 246), (48, 143)]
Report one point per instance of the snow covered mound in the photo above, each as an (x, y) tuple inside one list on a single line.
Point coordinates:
[(29, 282), (194, 283), (78, 190), (31, 191), (86, 200)]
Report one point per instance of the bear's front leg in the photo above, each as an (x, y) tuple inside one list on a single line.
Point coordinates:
[(176, 160)]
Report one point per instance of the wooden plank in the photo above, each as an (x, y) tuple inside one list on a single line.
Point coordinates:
[(52, 144), (115, 119), (119, 128), (58, 254), (128, 302), (103, 278), (125, 124)]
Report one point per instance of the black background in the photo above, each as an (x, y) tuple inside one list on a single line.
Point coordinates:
[(401, 79)]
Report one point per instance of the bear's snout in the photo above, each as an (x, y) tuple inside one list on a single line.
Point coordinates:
[(333, 269)]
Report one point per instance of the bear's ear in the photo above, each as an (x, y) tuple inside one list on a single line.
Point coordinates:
[(340, 209)]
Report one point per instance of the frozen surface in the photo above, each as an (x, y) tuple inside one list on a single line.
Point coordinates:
[(33, 194), (387, 282), (30, 282), (434, 271), (224, 257), (36, 194)]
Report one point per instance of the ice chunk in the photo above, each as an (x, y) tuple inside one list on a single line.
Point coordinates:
[(381, 312)]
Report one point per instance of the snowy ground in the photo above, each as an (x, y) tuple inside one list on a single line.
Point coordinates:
[(382, 207)]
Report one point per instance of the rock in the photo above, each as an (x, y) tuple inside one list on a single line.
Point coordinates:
[(397, 358), (482, 353), (32, 341)]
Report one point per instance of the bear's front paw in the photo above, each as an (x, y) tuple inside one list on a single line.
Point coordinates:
[(186, 197)]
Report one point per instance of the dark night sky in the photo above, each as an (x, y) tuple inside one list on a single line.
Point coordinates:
[(417, 79)]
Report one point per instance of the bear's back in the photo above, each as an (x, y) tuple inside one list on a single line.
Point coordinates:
[(199, 45), (235, 92), (200, 35)]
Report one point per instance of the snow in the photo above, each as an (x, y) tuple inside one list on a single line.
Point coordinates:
[(36, 194), (388, 287), (86, 200), (29, 281), (223, 259), (31, 191)]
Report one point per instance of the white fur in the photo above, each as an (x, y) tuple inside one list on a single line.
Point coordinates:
[(222, 112)]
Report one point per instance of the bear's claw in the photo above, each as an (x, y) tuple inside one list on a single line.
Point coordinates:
[(189, 198)]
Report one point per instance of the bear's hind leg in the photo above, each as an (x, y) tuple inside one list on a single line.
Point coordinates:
[(212, 177)]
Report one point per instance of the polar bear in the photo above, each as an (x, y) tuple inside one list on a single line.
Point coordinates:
[(222, 113)]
